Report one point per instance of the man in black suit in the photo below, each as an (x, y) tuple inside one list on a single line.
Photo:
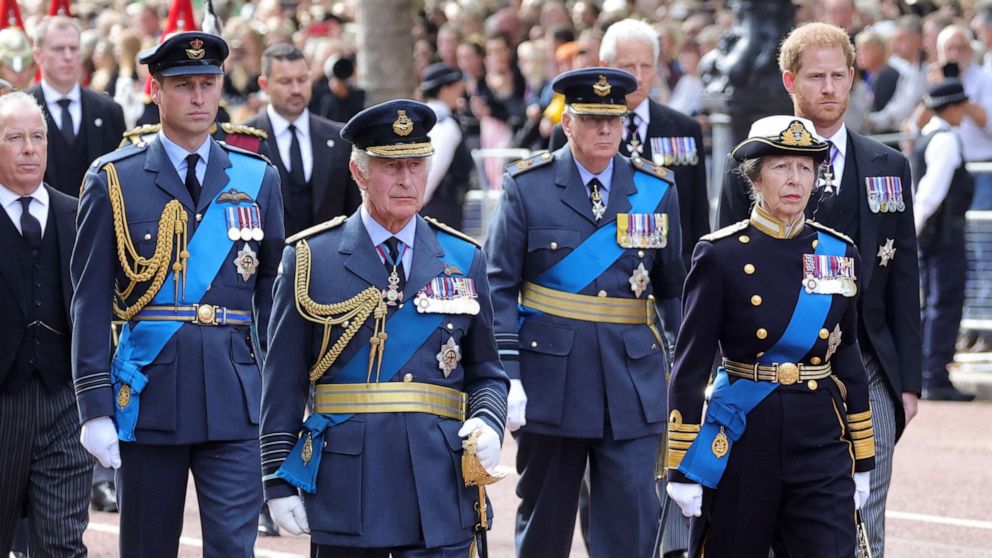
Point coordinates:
[(307, 149), (84, 125), (655, 132), (43, 467), (865, 192)]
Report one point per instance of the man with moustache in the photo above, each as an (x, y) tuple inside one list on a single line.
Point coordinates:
[(43, 467), (865, 192), (653, 131), (306, 148)]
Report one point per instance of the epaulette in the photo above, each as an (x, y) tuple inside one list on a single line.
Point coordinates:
[(648, 167), (244, 151), (318, 228), (827, 229), (726, 231), (137, 135), (120, 153), (451, 230), (243, 129), (530, 163)]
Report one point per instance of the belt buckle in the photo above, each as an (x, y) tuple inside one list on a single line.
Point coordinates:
[(787, 373), (206, 314)]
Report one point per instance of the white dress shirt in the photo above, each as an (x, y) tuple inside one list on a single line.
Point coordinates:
[(52, 98), (943, 157), (284, 139), (10, 201)]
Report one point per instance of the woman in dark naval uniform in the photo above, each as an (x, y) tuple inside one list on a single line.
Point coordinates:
[(783, 450)]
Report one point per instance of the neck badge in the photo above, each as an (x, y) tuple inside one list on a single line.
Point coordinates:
[(449, 357), (886, 252), (246, 262), (598, 207), (824, 274), (642, 230)]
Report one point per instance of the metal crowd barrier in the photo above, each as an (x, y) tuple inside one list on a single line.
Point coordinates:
[(978, 290)]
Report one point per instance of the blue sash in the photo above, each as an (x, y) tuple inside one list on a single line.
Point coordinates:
[(596, 254), (407, 330), (141, 343), (730, 403)]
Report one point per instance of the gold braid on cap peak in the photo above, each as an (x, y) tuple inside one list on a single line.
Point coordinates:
[(350, 314), (172, 232)]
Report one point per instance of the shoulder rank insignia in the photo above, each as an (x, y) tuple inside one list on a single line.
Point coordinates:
[(451, 230), (531, 163), (826, 229), (243, 129), (318, 228), (648, 167), (726, 231), (139, 134)]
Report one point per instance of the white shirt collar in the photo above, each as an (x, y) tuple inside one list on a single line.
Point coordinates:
[(643, 111), (935, 123), (52, 96), (9, 197), (177, 154), (839, 139), (280, 124), (379, 234)]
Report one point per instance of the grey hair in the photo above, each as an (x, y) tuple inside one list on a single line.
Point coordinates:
[(750, 170), (55, 22), (16, 102), (627, 29), (361, 160)]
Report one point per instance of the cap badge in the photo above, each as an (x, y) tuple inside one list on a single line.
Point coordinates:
[(196, 51), (602, 87), (796, 135), (402, 126)]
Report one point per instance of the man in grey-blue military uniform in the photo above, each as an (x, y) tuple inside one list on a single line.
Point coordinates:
[(589, 243), (382, 329), (188, 265)]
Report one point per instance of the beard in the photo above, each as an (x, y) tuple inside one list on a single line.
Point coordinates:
[(819, 114)]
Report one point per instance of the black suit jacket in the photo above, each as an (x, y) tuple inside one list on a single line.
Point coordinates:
[(889, 302), (884, 87), (100, 132), (334, 190), (13, 286), (690, 180)]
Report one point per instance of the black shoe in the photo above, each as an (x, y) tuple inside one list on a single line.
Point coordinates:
[(267, 527), (946, 393), (677, 554), (104, 497)]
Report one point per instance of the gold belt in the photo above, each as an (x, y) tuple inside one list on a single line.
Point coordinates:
[(588, 308), (390, 397), (786, 373)]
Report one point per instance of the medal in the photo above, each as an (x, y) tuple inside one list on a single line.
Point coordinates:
[(392, 295), (448, 357), (246, 262), (598, 207), (448, 295), (823, 274), (639, 280), (642, 230), (257, 234), (233, 223), (886, 252)]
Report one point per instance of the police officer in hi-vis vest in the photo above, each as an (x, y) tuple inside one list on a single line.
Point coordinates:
[(588, 242), (381, 338), (179, 237)]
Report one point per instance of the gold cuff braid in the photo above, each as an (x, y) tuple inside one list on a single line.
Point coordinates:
[(350, 314)]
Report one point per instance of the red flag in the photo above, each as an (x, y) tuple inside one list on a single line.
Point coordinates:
[(180, 19), (59, 7), (10, 14)]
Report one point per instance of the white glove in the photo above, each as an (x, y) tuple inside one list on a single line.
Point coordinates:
[(862, 488), (290, 514), (516, 406), (99, 437), (689, 497), (488, 445)]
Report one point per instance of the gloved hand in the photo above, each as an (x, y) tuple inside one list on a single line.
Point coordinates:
[(689, 497), (99, 437), (290, 514), (488, 445), (862, 488), (516, 406)]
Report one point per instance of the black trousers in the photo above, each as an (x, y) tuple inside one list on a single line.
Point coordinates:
[(460, 550), (789, 480), (44, 470)]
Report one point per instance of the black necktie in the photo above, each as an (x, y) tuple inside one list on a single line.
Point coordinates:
[(296, 174), (633, 143), (393, 245), (192, 184), (30, 226), (68, 131)]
